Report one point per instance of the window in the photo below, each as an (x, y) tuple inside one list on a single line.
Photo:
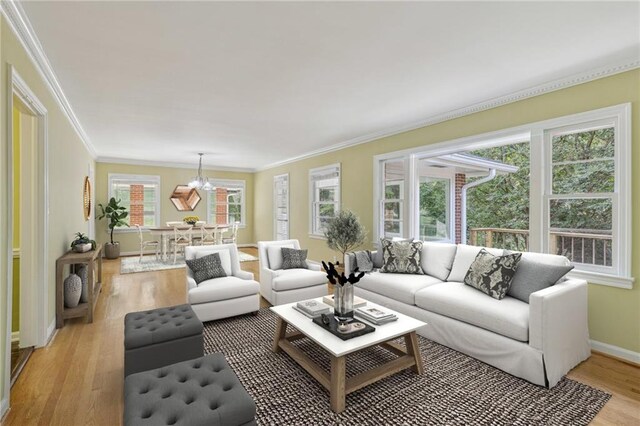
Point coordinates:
[(324, 193), (226, 202), (560, 186), (140, 194), (281, 207)]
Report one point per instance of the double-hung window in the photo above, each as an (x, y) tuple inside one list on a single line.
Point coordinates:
[(392, 203), (281, 206), (140, 194), (324, 194), (226, 202)]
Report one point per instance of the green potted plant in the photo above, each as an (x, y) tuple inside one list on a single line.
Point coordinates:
[(82, 243), (344, 232), (115, 215)]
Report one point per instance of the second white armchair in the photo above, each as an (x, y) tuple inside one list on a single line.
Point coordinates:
[(280, 286)]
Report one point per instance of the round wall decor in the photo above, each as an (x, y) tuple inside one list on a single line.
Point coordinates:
[(86, 198)]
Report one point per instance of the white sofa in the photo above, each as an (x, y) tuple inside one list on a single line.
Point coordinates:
[(539, 341), (280, 286), (235, 294)]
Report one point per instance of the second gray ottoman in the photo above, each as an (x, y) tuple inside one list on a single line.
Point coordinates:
[(161, 337), (203, 391)]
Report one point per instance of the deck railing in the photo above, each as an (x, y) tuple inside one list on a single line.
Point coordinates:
[(579, 245)]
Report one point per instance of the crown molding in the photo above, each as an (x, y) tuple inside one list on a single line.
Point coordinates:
[(173, 165), (19, 23), (552, 86)]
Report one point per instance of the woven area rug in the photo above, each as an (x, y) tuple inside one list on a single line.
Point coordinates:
[(132, 264), (454, 390)]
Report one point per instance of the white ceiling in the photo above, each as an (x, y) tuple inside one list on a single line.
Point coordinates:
[(252, 84)]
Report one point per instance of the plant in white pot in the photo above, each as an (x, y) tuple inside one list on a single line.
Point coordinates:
[(344, 232), (82, 243), (115, 214)]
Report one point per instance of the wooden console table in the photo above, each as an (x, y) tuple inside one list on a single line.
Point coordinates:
[(93, 285)]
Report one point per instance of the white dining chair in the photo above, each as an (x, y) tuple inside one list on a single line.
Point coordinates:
[(208, 235), (181, 238), (231, 239), (148, 243)]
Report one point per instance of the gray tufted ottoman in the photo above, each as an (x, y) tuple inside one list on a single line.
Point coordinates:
[(203, 391), (161, 337)]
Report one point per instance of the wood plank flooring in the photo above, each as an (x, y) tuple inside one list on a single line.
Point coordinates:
[(77, 379)]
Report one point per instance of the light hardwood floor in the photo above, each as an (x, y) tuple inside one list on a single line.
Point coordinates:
[(77, 379)]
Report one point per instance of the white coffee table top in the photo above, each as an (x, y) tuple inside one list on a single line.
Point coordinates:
[(338, 347)]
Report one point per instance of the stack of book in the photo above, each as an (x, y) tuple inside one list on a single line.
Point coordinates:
[(312, 308), (357, 302), (375, 316)]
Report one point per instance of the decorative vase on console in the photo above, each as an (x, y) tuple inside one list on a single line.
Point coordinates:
[(343, 294)]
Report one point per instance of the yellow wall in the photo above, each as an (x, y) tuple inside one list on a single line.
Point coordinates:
[(614, 314), (68, 164), (170, 177)]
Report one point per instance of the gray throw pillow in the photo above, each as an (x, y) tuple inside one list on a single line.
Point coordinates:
[(533, 276), (206, 267), (401, 257), (293, 258), (491, 274)]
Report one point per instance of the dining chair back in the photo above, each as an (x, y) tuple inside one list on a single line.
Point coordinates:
[(181, 238), (208, 234), (233, 237), (149, 243)]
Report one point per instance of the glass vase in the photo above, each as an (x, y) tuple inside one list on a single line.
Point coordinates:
[(343, 300)]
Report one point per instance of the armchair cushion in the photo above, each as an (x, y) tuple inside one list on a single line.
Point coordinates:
[(275, 255), (225, 257), (294, 259), (206, 267), (225, 288), (290, 279)]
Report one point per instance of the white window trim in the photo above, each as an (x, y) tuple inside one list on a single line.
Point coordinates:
[(535, 133), (150, 179), (284, 178), (230, 183), (320, 171)]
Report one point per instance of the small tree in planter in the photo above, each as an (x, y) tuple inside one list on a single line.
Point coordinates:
[(345, 232), (115, 214)]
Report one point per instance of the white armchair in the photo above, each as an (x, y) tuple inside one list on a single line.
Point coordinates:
[(235, 294), (280, 286)]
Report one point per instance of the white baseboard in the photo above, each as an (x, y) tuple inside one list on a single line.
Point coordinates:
[(247, 245), (616, 351), (4, 407), (15, 336), (51, 332)]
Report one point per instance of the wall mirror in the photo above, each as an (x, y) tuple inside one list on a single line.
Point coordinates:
[(185, 198)]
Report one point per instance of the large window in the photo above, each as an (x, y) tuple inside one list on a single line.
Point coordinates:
[(281, 207), (226, 202), (140, 194), (560, 186), (324, 194)]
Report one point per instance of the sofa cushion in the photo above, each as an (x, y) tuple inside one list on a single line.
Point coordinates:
[(206, 267), (491, 274), (293, 258), (400, 287), (289, 279), (437, 259), (274, 252), (537, 271), (225, 257), (401, 257), (465, 255), (222, 289), (508, 317)]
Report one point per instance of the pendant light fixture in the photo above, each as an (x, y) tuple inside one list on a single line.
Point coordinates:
[(200, 182)]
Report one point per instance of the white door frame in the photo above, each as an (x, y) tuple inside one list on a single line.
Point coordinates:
[(276, 178), (38, 291)]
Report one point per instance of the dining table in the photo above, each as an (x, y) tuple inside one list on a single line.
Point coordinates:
[(166, 233)]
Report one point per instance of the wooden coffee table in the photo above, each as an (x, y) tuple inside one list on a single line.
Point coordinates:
[(336, 382)]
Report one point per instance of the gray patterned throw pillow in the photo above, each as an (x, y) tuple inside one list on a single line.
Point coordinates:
[(401, 257), (491, 274), (206, 267), (293, 258)]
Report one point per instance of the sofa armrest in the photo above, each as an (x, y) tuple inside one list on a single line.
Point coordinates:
[(313, 265), (191, 283), (558, 326), (244, 275)]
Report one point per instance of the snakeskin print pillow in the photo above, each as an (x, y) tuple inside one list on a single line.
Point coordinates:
[(293, 259), (401, 257), (206, 267), (491, 274)]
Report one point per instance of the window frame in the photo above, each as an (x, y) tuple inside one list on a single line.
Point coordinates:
[(314, 193), (538, 136), (284, 180), (229, 184), (132, 179)]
